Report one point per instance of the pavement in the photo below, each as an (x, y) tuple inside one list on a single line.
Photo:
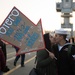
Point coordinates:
[(18, 70)]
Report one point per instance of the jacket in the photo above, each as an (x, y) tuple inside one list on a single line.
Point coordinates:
[(65, 64), (3, 46), (45, 64), (2, 61)]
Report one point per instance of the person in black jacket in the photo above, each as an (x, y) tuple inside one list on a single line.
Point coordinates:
[(45, 59), (65, 63), (18, 56), (3, 47), (2, 62)]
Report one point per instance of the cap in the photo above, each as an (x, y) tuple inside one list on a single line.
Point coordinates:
[(61, 31)]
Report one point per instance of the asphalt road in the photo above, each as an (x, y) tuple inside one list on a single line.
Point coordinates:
[(18, 70)]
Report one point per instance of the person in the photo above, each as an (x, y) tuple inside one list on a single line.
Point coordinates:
[(3, 47), (65, 64), (18, 56), (71, 40), (2, 62), (45, 58)]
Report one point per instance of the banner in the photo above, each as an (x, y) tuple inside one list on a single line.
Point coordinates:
[(19, 31)]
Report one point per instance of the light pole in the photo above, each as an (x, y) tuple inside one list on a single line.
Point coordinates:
[(66, 7)]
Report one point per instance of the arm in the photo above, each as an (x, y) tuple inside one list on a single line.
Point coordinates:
[(51, 54), (43, 58)]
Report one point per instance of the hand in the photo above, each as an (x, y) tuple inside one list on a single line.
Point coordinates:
[(51, 55)]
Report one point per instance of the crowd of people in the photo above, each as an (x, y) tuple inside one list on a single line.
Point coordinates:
[(53, 60)]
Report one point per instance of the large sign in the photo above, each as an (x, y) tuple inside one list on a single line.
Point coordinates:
[(19, 31)]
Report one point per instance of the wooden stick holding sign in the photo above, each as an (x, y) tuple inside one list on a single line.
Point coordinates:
[(51, 54)]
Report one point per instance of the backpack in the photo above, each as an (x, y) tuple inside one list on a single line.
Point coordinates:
[(69, 48)]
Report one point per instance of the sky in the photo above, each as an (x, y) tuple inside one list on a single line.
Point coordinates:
[(35, 10)]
